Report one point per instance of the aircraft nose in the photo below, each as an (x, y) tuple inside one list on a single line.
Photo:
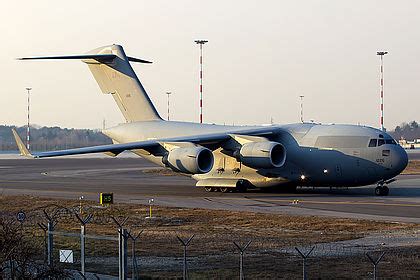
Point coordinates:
[(400, 159)]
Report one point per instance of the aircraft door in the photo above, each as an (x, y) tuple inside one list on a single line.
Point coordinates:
[(338, 172)]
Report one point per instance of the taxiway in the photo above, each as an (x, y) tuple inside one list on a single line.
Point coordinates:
[(135, 180)]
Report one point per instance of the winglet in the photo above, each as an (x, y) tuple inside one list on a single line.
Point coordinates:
[(22, 148)]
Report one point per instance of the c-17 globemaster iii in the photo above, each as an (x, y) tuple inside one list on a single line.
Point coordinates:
[(235, 158)]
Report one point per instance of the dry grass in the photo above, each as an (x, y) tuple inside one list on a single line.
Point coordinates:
[(215, 231), (413, 168), (272, 230)]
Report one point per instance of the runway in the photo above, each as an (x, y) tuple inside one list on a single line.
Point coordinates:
[(133, 180)]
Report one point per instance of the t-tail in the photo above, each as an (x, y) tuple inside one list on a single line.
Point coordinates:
[(112, 71)]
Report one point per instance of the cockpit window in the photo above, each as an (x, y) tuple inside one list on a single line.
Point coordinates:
[(380, 142), (373, 142), (390, 141)]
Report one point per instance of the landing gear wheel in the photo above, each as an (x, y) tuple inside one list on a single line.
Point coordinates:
[(291, 189), (385, 190), (241, 186), (224, 190), (208, 189), (381, 190)]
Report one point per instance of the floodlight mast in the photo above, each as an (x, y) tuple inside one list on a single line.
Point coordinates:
[(168, 93), (28, 130), (201, 43), (301, 108), (381, 54)]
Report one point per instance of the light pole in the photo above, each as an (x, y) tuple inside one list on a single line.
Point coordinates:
[(168, 93), (28, 132), (201, 43), (301, 108), (381, 54)]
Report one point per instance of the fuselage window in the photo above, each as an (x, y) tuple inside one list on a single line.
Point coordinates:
[(373, 142), (381, 142)]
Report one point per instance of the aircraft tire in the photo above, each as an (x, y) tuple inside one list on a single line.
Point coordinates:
[(208, 189), (385, 190), (291, 189), (224, 190), (381, 191)]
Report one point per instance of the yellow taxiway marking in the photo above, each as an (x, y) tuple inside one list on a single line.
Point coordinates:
[(340, 202)]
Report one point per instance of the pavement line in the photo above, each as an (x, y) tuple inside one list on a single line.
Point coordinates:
[(340, 202)]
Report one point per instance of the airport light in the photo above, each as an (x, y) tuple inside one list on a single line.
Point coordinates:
[(381, 54), (80, 204), (28, 130), (168, 93), (201, 43), (301, 108), (150, 207), (302, 177)]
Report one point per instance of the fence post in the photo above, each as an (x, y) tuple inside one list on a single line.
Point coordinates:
[(50, 244), (375, 264), (124, 253), (185, 244), (83, 222), (45, 229), (134, 272), (50, 240), (82, 249), (241, 258), (121, 273), (304, 257)]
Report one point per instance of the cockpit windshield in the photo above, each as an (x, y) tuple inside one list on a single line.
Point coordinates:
[(380, 142)]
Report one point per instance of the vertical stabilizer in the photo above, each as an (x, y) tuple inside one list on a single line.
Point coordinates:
[(116, 77)]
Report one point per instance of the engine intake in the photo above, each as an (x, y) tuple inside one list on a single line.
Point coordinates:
[(263, 154), (193, 160)]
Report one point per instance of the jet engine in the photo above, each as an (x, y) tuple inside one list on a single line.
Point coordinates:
[(190, 160), (265, 154)]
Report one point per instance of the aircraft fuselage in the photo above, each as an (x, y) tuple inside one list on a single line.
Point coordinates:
[(317, 155)]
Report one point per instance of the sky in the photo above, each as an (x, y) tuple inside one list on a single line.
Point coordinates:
[(261, 56)]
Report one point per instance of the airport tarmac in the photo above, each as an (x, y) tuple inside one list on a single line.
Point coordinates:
[(132, 180)]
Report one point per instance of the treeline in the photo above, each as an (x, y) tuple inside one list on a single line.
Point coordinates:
[(52, 138), (56, 138), (408, 131)]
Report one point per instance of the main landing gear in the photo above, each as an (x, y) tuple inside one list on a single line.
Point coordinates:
[(381, 190), (219, 189)]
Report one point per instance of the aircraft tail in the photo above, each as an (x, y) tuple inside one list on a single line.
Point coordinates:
[(112, 71), (22, 148)]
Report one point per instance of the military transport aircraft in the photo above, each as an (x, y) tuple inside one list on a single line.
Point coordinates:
[(235, 158)]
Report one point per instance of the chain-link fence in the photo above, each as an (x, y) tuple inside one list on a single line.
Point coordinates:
[(104, 243)]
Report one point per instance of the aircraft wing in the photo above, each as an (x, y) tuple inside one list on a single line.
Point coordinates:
[(149, 145)]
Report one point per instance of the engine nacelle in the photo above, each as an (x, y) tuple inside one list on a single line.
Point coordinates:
[(191, 160), (265, 154)]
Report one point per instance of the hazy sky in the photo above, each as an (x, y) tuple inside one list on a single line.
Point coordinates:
[(260, 57)]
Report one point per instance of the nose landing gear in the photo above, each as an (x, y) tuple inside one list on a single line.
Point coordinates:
[(381, 190)]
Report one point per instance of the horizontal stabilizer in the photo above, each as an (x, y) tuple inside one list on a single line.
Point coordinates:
[(98, 57), (133, 59)]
